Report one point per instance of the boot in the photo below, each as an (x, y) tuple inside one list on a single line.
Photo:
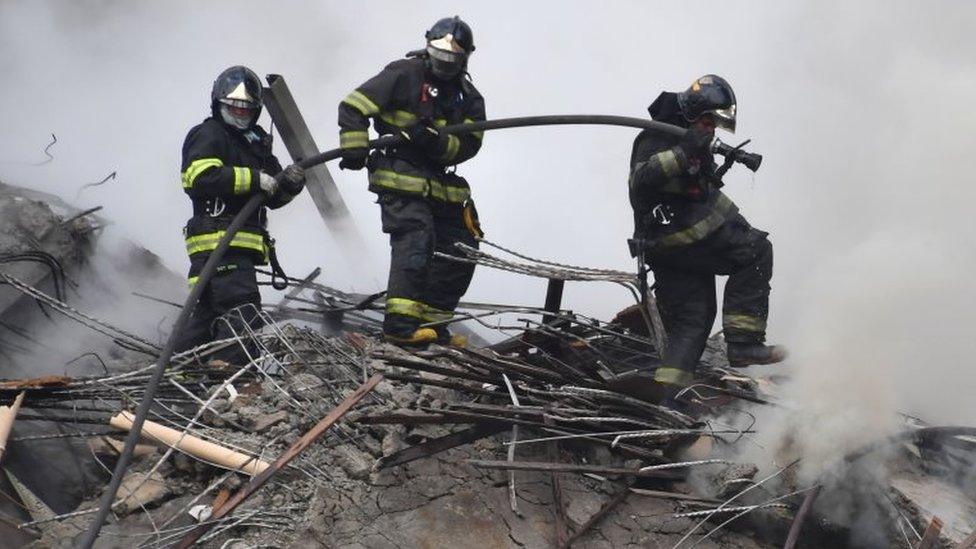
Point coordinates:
[(419, 337), (747, 354), (445, 337)]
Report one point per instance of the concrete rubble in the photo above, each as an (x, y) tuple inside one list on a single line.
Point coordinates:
[(425, 459)]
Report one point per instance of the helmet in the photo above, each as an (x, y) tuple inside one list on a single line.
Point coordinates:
[(236, 95), (449, 43), (710, 94)]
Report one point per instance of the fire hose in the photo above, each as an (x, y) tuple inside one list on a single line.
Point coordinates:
[(732, 154)]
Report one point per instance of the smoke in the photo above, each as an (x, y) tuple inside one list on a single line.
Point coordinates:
[(861, 111)]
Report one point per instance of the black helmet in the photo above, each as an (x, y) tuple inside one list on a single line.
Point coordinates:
[(709, 94), (449, 43), (236, 96)]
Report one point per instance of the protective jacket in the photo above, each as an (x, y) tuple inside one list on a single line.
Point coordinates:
[(397, 98), (675, 201), (221, 167)]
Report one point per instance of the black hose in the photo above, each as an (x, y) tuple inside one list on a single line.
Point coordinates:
[(256, 202)]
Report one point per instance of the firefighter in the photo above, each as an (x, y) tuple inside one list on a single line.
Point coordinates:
[(227, 159), (425, 206), (688, 232)]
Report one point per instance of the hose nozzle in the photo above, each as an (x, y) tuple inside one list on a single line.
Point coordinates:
[(736, 154)]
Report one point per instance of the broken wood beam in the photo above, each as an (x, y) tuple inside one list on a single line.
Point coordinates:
[(931, 536), (571, 468), (196, 447), (284, 459), (440, 444)]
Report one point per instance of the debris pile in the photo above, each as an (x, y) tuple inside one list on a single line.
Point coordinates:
[(553, 437)]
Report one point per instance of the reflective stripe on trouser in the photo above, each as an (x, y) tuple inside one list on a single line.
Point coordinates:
[(243, 240), (673, 376), (416, 309), (393, 181), (685, 289), (427, 287), (743, 322)]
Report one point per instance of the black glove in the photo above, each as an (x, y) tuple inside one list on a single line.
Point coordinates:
[(696, 142), (425, 137), (293, 179), (354, 159)]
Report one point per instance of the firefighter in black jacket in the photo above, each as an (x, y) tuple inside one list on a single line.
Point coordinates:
[(227, 159), (689, 231), (425, 206)]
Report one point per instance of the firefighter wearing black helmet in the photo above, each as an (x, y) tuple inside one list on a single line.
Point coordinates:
[(688, 231), (425, 206), (226, 159)]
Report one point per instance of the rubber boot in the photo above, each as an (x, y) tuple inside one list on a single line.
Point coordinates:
[(420, 336), (748, 354), (445, 337)]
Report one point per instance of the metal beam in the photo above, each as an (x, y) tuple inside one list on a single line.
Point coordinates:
[(321, 187)]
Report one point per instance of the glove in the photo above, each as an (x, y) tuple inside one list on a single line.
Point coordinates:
[(696, 142), (293, 179), (268, 184), (353, 159), (425, 137)]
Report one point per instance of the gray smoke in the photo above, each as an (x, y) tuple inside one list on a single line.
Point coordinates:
[(861, 110)]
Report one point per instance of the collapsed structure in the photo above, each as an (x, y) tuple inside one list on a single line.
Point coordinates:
[(547, 438)]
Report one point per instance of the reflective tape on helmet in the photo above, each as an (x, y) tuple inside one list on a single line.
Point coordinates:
[(242, 180), (673, 376), (400, 119), (743, 322), (355, 139), (406, 307), (448, 193), (361, 103), (389, 179), (197, 167), (701, 229), (453, 146), (207, 242)]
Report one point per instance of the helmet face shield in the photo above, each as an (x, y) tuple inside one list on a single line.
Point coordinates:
[(446, 62), (725, 118), (449, 43)]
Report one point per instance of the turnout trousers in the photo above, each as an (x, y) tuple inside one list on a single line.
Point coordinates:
[(685, 291), (228, 306), (422, 287)]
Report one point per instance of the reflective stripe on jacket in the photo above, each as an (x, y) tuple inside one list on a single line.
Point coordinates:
[(396, 99)]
